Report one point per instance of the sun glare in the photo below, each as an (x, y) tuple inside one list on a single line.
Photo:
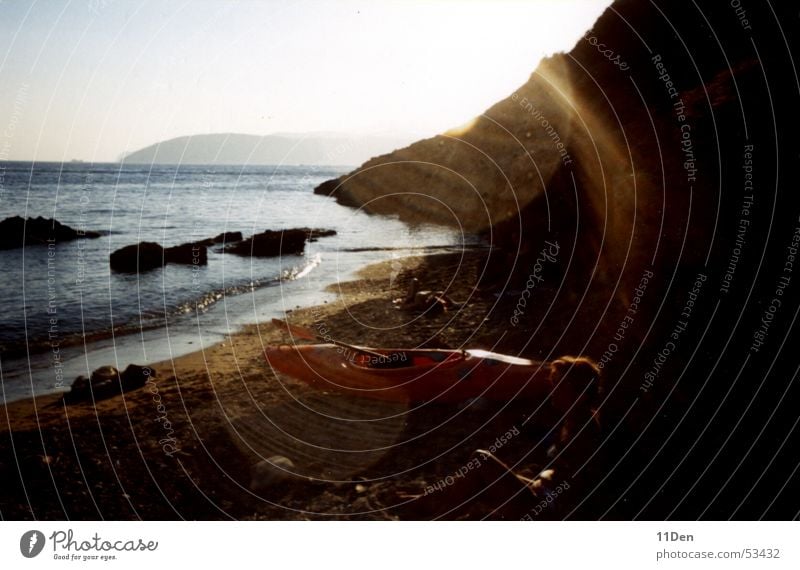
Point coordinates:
[(451, 62)]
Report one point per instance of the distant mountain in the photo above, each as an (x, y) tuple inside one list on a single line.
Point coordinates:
[(232, 148)]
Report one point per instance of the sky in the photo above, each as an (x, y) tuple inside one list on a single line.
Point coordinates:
[(93, 79)]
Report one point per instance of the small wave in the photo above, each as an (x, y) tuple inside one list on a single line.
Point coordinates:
[(153, 319), (454, 247), (204, 302), (309, 267), (207, 300)]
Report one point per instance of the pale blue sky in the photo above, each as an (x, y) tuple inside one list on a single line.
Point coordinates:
[(90, 79)]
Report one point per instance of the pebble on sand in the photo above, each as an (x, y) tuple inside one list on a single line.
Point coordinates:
[(271, 471)]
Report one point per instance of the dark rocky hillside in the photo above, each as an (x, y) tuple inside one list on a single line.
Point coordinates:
[(660, 154)]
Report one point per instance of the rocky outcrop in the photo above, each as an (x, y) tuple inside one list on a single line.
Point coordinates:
[(315, 233), (187, 254), (17, 232), (602, 145), (624, 150), (328, 188), (143, 256), (146, 255), (223, 238), (273, 243)]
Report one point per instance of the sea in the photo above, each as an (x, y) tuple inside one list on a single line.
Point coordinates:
[(63, 312)]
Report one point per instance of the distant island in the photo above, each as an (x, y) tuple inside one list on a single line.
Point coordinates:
[(291, 149)]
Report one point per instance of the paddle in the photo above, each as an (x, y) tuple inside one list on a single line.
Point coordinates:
[(308, 334)]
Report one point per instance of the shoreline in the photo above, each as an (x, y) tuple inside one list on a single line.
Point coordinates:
[(347, 291), (173, 336), (187, 443)]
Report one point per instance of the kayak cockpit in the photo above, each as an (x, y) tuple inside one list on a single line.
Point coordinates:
[(394, 359)]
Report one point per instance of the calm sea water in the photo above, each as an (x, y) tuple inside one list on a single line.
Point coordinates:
[(66, 294)]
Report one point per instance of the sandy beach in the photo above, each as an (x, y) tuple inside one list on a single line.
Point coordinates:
[(187, 444)]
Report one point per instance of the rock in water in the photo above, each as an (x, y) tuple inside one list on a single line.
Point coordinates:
[(149, 255), (143, 256), (269, 472), (16, 232), (314, 234), (270, 244), (187, 253), (273, 243), (225, 237)]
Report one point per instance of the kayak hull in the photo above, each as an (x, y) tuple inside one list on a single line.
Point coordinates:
[(413, 375)]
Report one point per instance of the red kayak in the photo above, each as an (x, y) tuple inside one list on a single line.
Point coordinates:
[(413, 375)]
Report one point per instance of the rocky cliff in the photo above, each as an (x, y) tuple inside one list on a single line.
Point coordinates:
[(659, 154), (651, 105)]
